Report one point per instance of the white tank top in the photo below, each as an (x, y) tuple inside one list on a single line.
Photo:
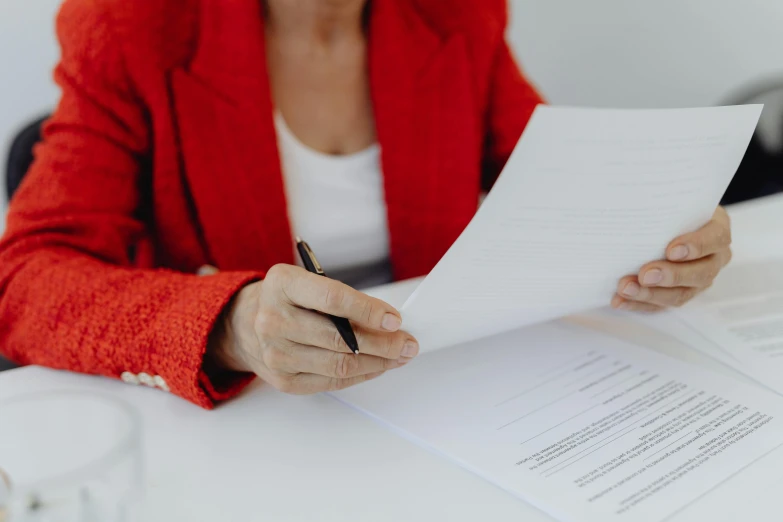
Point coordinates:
[(337, 205)]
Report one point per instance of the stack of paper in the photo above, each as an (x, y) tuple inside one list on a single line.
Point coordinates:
[(583, 426), (586, 427)]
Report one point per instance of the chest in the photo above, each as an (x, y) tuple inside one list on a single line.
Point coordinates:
[(217, 189)]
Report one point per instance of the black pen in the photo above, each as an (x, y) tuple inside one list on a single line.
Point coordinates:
[(312, 265)]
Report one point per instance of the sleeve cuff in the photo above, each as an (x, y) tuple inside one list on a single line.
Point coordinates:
[(223, 386), (183, 340)]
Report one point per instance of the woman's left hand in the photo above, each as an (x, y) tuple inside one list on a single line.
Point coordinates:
[(692, 263)]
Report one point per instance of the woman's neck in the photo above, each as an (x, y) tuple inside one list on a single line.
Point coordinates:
[(322, 22)]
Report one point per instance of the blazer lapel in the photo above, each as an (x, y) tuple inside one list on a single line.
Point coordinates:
[(418, 82), (224, 111)]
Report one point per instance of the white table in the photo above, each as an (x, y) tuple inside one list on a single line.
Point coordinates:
[(269, 456)]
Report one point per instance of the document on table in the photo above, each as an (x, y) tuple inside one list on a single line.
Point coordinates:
[(588, 196), (584, 426), (739, 321)]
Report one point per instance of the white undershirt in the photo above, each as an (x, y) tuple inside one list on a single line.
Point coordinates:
[(335, 203)]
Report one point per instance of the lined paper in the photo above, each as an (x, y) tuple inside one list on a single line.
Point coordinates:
[(588, 195)]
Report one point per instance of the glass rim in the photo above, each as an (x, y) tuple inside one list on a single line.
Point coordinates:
[(89, 469)]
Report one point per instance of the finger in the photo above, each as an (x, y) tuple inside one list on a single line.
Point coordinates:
[(316, 292), (309, 359), (307, 383), (623, 304), (630, 289), (206, 270), (709, 239), (698, 274), (316, 330)]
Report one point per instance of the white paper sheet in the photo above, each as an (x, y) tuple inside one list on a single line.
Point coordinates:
[(588, 196), (585, 427), (739, 321)]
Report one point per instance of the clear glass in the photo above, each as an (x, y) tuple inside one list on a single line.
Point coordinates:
[(69, 457)]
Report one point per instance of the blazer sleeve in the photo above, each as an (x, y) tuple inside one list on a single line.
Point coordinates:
[(70, 296), (512, 100)]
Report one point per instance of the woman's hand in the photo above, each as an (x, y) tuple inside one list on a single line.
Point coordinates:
[(693, 262), (272, 331)]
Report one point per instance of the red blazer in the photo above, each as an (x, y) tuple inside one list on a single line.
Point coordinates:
[(161, 157)]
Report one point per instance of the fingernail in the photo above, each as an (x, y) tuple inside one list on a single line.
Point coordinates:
[(625, 306), (631, 289), (402, 361), (391, 322), (678, 253), (652, 277), (411, 349)]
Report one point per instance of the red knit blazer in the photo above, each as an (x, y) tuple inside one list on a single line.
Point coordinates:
[(161, 157)]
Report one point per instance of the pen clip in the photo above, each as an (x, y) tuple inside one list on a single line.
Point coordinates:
[(311, 255)]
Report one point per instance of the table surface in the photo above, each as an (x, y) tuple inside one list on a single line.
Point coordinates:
[(271, 456)]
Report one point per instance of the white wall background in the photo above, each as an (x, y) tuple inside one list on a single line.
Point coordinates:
[(28, 52), (635, 53), (624, 53)]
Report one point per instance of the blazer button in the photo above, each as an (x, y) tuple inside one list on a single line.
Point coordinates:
[(146, 379), (160, 383), (129, 378)]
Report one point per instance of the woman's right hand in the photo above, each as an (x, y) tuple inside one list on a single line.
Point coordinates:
[(273, 330)]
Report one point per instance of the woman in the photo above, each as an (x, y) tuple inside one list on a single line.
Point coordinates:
[(208, 132)]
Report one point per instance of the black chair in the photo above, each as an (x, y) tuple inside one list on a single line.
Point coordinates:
[(20, 155), (761, 171)]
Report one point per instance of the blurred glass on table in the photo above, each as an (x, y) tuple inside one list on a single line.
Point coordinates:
[(69, 457)]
